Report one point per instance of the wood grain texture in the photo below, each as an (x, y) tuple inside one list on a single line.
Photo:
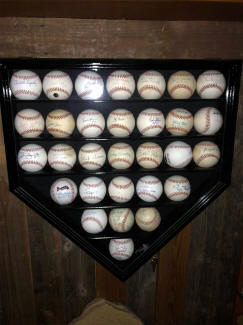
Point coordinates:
[(238, 311)]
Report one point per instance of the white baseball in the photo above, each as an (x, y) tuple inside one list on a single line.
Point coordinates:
[(121, 189), (92, 156), (179, 121), (29, 123), (178, 154), (211, 84), (89, 85), (120, 85), (120, 122), (181, 85), (90, 123), (151, 85), (32, 158), (121, 249), (206, 154), (177, 188), (60, 123), (25, 85), (208, 120), (92, 190), (121, 219), (94, 221), (63, 191), (121, 156), (148, 219), (150, 122), (149, 188), (149, 155), (61, 157), (57, 85)]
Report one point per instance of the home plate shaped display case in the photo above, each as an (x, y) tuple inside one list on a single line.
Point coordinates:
[(119, 155)]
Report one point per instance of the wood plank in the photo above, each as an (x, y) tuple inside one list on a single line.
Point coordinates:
[(108, 286), (110, 9), (238, 311), (172, 279)]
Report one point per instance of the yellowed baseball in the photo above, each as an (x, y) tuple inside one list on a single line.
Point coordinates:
[(61, 157), (206, 154), (120, 85), (179, 121), (120, 122), (150, 122), (121, 189), (121, 219), (149, 155), (121, 155), (92, 156), (148, 219), (151, 85), (181, 85), (60, 123), (177, 188)]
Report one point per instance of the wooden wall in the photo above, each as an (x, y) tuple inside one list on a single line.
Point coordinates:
[(46, 279)]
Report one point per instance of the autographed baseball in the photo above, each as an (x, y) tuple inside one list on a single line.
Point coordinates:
[(177, 188), (148, 219), (121, 189), (90, 123), (121, 219), (92, 190), (63, 191), (181, 85), (61, 157), (121, 155), (92, 156), (120, 85), (32, 158), (211, 84), (178, 154), (89, 85), (25, 85), (29, 123), (208, 121), (94, 221), (151, 85), (179, 122), (121, 249), (60, 123), (57, 85), (150, 122), (149, 188), (206, 154), (149, 155), (120, 123)]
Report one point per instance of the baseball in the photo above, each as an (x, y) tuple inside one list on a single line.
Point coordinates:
[(148, 219), (90, 123), (150, 122), (25, 85), (181, 85), (211, 84), (57, 85), (61, 157), (29, 123), (177, 188), (206, 154), (120, 123), (121, 156), (121, 249), (121, 219), (92, 156), (149, 155), (60, 123), (178, 154), (89, 85), (120, 85), (63, 191), (121, 189), (94, 221), (92, 190), (32, 158), (151, 85), (149, 188), (208, 121), (179, 122)]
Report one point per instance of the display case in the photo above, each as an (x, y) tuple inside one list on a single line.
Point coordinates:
[(145, 145)]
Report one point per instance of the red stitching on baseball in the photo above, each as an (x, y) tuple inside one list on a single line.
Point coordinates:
[(148, 194), (29, 118), (90, 218), (177, 128), (31, 162), (122, 242), (61, 149), (30, 131), (120, 147), (91, 163), (150, 87), (216, 73), (93, 185), (210, 86), (116, 75), (32, 149), (120, 254), (149, 182), (121, 186), (85, 93), (58, 131), (173, 113), (149, 159), (180, 181), (90, 150), (119, 126), (151, 113), (120, 113), (125, 220), (177, 193), (19, 76), (92, 198), (120, 198), (151, 74), (150, 128), (181, 86), (90, 113), (207, 117), (207, 156), (56, 76), (57, 89), (25, 92), (89, 76), (120, 160), (145, 146), (113, 90), (92, 126), (58, 117), (178, 147), (59, 162)]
